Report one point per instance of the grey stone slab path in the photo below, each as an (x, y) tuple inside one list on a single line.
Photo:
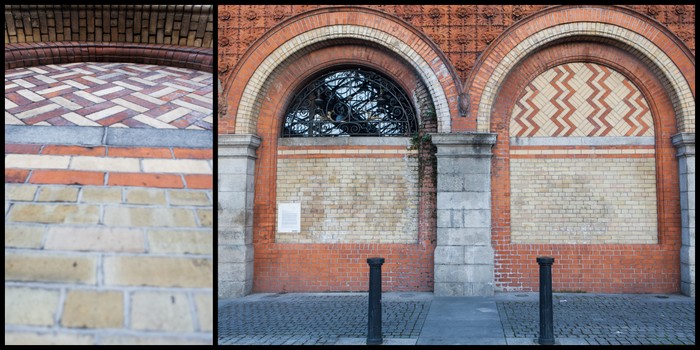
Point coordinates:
[(99, 136), (422, 319)]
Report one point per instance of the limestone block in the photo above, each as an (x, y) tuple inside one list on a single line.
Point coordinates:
[(235, 253), (463, 200), (477, 218), (450, 273), (231, 236), (449, 289), (465, 236), (449, 255), (233, 289), (478, 255)]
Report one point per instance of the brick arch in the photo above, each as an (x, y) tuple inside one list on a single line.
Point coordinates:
[(299, 34), (276, 266), (607, 268), (670, 60)]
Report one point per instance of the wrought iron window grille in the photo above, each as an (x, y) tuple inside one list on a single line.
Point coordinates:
[(350, 102)]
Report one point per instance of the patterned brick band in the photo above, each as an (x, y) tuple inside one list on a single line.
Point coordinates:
[(109, 166), (34, 54)]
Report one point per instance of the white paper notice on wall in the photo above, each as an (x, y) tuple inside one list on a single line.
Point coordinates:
[(289, 217)]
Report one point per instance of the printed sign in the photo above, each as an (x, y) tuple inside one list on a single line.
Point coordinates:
[(289, 217)]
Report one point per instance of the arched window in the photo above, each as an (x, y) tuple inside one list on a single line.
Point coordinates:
[(350, 102)]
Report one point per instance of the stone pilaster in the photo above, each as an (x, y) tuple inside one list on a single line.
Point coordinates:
[(685, 145), (464, 257), (236, 182)]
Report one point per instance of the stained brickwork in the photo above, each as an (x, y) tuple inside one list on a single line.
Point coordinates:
[(613, 201), (185, 25), (339, 196)]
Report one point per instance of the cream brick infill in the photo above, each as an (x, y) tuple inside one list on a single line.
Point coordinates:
[(351, 200), (583, 201), (108, 265)]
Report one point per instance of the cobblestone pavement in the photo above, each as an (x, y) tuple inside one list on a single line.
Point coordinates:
[(341, 319), (318, 319), (605, 319)]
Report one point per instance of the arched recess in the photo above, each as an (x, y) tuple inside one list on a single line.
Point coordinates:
[(604, 265), (300, 34), (667, 56), (339, 264)]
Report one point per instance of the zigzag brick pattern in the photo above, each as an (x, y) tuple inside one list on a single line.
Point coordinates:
[(581, 100), (109, 94)]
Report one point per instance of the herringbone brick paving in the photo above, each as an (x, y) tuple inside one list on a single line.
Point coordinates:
[(108, 243), (109, 94)]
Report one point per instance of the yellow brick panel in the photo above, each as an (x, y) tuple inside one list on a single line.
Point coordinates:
[(351, 200), (583, 201)]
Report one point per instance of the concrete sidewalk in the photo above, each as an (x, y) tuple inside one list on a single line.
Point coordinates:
[(422, 319)]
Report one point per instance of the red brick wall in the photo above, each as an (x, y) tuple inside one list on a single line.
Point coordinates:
[(464, 33)]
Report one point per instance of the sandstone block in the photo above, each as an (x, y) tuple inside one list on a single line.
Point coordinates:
[(181, 241), (30, 306), (158, 271), (58, 194), (23, 236), (158, 311), (102, 195), (50, 268), (145, 196), (148, 217), (205, 305), (99, 238), (93, 309), (188, 198), (55, 213)]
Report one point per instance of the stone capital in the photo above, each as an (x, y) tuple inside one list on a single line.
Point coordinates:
[(238, 145)]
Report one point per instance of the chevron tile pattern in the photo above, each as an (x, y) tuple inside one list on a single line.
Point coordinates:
[(109, 94), (579, 100)]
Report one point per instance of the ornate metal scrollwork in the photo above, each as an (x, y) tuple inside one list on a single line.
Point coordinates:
[(351, 102)]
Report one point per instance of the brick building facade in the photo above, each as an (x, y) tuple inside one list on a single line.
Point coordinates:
[(566, 131)]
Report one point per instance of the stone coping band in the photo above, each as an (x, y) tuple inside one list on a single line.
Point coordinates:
[(99, 136), (35, 54)]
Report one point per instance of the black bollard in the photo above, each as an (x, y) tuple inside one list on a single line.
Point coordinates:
[(546, 309), (374, 322)]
